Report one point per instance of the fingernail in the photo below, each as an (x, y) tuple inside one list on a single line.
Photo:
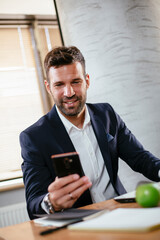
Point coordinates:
[(89, 184), (86, 179), (75, 176)]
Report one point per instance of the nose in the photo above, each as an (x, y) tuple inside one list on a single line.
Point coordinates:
[(69, 91)]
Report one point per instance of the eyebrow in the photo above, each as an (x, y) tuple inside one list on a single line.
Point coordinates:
[(76, 79)]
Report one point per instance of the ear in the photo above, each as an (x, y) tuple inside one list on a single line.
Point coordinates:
[(47, 86), (87, 80)]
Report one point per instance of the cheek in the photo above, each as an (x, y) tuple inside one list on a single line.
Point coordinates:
[(57, 93), (84, 89), (80, 89)]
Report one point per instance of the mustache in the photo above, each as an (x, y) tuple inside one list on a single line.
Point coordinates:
[(73, 98)]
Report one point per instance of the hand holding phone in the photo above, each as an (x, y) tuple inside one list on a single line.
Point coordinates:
[(71, 182)]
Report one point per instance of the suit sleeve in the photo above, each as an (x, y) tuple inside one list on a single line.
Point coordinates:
[(133, 153), (36, 174)]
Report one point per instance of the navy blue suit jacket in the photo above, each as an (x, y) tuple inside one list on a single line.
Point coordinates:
[(48, 136)]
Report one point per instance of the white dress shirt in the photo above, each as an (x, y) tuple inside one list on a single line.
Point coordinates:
[(85, 143)]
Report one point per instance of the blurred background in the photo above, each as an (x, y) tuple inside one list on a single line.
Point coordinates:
[(120, 40)]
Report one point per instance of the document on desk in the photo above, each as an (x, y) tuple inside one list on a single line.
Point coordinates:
[(123, 219), (68, 216)]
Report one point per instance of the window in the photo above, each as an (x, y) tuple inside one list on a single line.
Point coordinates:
[(21, 100)]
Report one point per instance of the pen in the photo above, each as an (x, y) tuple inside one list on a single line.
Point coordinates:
[(59, 228)]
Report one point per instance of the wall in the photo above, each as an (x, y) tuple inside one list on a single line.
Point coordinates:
[(120, 41), (12, 197)]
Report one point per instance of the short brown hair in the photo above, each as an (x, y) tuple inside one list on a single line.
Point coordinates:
[(60, 56)]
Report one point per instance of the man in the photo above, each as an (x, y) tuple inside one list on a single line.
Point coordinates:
[(94, 130)]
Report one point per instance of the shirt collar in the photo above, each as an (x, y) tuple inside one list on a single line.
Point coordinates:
[(68, 125)]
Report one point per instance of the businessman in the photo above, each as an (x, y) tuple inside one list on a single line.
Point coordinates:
[(95, 131)]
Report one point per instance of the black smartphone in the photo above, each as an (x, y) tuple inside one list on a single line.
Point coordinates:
[(125, 200), (65, 164)]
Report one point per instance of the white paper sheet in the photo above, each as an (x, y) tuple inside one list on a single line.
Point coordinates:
[(123, 219)]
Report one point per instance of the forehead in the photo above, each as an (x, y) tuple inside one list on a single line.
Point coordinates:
[(70, 71)]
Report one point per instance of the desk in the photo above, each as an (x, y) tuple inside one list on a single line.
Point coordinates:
[(30, 231)]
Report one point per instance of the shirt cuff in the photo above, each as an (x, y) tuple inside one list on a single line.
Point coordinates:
[(43, 206)]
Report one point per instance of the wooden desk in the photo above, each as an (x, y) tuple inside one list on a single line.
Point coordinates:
[(30, 231)]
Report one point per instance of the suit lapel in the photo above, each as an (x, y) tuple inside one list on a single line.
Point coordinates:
[(60, 134), (101, 136)]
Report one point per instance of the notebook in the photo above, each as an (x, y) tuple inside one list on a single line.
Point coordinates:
[(123, 219), (68, 216)]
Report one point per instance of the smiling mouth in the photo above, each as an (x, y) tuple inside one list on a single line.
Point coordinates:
[(70, 101), (71, 104)]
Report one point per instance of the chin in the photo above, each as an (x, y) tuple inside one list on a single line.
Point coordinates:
[(70, 112)]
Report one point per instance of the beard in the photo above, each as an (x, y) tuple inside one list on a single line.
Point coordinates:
[(69, 110)]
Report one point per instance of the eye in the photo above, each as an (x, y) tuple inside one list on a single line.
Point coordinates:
[(76, 82), (59, 84)]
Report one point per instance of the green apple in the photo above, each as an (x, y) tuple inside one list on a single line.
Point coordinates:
[(147, 195)]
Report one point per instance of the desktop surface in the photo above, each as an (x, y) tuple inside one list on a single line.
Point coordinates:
[(30, 230)]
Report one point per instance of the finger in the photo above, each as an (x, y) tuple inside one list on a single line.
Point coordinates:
[(73, 191), (67, 200), (79, 191), (67, 203), (59, 188), (56, 194), (61, 182), (74, 185), (67, 196)]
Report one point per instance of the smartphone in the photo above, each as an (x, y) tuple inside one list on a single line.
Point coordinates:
[(125, 200), (67, 163)]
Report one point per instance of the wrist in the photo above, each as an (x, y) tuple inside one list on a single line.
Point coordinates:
[(48, 205)]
